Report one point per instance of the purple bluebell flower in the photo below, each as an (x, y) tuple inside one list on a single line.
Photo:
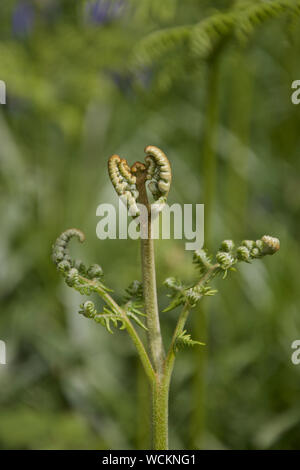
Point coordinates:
[(23, 18), (104, 11)]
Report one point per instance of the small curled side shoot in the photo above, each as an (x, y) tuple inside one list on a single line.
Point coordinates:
[(228, 256), (84, 279)]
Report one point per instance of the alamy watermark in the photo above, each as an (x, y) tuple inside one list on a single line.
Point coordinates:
[(2, 92), (2, 352), (179, 221), (295, 358), (295, 97)]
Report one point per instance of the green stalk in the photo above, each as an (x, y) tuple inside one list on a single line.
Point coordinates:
[(160, 390), (160, 405), (150, 297)]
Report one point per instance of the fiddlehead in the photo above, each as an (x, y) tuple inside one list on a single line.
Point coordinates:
[(76, 274), (225, 260), (124, 182), (128, 181), (89, 280)]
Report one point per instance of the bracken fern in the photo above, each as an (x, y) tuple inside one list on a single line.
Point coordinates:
[(139, 305)]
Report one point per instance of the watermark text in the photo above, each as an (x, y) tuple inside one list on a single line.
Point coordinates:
[(2, 92), (176, 221), (2, 352)]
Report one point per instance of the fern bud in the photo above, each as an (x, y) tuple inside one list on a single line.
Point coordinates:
[(73, 277), (270, 245), (57, 255), (243, 254), (61, 243), (193, 296), (255, 252), (259, 244), (227, 245), (202, 261), (248, 244), (95, 271), (88, 309), (134, 291), (64, 266), (80, 266), (226, 260), (173, 283)]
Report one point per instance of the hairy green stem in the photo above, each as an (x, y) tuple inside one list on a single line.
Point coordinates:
[(169, 363), (149, 279), (160, 399), (151, 308), (159, 390)]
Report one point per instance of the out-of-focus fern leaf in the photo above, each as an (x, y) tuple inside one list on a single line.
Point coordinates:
[(183, 340)]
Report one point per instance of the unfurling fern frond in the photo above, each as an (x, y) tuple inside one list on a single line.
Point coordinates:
[(194, 294), (84, 280), (128, 181), (110, 317), (134, 292), (158, 173), (247, 251), (202, 261), (227, 245), (134, 316), (124, 182), (174, 284), (107, 318), (226, 260), (207, 35), (183, 340), (132, 310), (204, 38), (177, 293), (227, 257), (250, 15), (154, 46)]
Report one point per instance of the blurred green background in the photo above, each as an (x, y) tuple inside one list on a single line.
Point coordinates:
[(210, 83)]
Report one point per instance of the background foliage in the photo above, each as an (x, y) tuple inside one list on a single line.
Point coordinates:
[(209, 83)]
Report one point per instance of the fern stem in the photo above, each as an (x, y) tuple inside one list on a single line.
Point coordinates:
[(151, 308), (169, 363), (160, 389), (149, 281), (160, 405)]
